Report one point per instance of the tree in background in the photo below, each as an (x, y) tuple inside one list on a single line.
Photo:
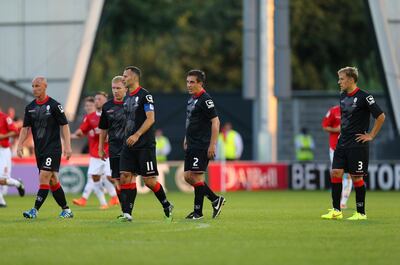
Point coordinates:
[(327, 35), (165, 39)]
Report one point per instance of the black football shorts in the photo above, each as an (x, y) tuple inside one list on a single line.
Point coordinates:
[(353, 160), (49, 162), (114, 165), (196, 160), (141, 162)]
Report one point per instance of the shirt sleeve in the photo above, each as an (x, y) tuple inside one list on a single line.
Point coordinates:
[(373, 106), (58, 112), (27, 118), (11, 125), (209, 109), (326, 121), (104, 124), (85, 125)]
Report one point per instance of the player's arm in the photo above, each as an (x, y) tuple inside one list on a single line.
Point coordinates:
[(148, 122), (102, 140), (366, 137), (22, 137), (214, 137), (77, 134), (66, 134), (184, 144), (7, 135), (331, 129)]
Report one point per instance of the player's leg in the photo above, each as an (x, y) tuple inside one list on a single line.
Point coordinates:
[(115, 175), (59, 196), (89, 186), (147, 168), (44, 186), (337, 171), (358, 168), (347, 185), (127, 184), (109, 183), (98, 190)]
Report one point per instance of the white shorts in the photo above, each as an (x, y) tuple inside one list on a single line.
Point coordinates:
[(5, 162), (99, 167)]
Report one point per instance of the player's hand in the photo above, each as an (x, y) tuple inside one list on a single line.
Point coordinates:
[(102, 154), (67, 153), (132, 139), (364, 137), (211, 151), (20, 151), (2, 136)]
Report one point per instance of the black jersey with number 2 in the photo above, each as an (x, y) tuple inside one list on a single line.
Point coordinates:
[(113, 119), (356, 109), (45, 119), (136, 104), (200, 110)]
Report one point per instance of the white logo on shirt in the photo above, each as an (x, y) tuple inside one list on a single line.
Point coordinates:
[(9, 121), (370, 100), (210, 104), (354, 102), (61, 108), (149, 98)]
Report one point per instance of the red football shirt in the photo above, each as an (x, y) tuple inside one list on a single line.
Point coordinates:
[(6, 125), (90, 127), (332, 119)]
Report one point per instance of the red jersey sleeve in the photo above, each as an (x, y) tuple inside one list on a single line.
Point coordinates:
[(85, 125), (11, 125), (326, 121)]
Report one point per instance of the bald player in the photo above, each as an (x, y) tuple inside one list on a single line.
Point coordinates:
[(46, 118)]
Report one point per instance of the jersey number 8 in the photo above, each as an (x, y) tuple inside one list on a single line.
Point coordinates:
[(48, 161)]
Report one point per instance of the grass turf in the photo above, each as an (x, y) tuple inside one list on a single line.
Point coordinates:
[(254, 228)]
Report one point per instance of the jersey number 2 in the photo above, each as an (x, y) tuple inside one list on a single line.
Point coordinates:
[(196, 161)]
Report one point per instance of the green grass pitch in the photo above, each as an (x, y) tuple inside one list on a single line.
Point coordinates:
[(254, 228)]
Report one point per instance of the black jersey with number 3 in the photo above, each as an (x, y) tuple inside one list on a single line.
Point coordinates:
[(200, 110), (136, 104), (45, 119), (113, 119), (356, 109)]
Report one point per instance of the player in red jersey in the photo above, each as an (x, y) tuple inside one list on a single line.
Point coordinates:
[(331, 124), (97, 167), (7, 130)]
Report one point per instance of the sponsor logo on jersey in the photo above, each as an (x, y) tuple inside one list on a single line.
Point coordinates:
[(370, 100), (210, 104)]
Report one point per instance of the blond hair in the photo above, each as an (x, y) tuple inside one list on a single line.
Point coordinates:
[(350, 71), (117, 79)]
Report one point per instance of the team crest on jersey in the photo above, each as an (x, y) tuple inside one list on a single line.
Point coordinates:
[(47, 109), (61, 108), (149, 98), (355, 102), (210, 104), (9, 121), (370, 100)]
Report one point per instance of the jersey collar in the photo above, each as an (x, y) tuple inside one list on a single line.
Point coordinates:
[(43, 101), (199, 94), (118, 102), (134, 92), (353, 93)]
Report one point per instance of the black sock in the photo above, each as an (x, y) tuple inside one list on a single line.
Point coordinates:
[(336, 193), (360, 196), (209, 193), (41, 196), (128, 196), (59, 196), (160, 194), (198, 198)]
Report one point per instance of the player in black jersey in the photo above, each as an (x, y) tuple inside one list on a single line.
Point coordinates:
[(112, 123), (138, 155), (202, 128), (351, 154), (45, 116)]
